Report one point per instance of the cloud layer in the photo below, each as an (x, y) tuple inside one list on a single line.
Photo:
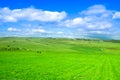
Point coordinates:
[(95, 22), (95, 17), (30, 14)]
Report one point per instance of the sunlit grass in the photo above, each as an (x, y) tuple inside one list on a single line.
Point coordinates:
[(58, 59)]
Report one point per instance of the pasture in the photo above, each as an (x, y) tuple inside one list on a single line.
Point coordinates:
[(58, 59)]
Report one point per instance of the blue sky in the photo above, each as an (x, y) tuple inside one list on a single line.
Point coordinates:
[(60, 18)]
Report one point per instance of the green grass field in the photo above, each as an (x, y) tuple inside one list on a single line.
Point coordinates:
[(58, 59)]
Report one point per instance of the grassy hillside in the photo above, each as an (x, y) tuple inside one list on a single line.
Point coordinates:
[(58, 59)]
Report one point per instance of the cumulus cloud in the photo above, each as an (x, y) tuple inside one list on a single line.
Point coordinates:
[(93, 10), (90, 23), (99, 32), (95, 17), (60, 32), (99, 25), (30, 14), (95, 20), (74, 22), (11, 29), (116, 15), (38, 31)]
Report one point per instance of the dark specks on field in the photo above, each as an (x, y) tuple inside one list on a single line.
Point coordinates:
[(14, 41), (8, 45), (39, 52), (9, 49)]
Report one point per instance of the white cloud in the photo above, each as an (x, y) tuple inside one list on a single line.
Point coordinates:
[(11, 29), (99, 32), (9, 19), (74, 22), (95, 17), (60, 32), (38, 31), (96, 9), (99, 25), (116, 15), (30, 14), (90, 23)]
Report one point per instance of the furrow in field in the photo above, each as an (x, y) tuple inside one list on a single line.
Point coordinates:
[(107, 73), (114, 61), (83, 73), (98, 69)]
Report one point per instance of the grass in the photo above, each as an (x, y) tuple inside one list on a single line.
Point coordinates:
[(58, 59)]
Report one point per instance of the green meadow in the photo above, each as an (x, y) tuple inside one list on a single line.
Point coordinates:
[(59, 59)]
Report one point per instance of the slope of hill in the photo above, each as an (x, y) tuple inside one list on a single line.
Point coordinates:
[(58, 59)]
